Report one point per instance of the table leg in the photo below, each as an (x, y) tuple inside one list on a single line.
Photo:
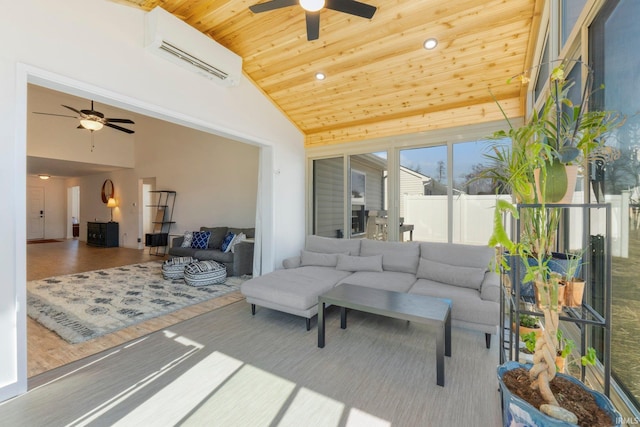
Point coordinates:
[(440, 345), (447, 335), (321, 306), (343, 318)]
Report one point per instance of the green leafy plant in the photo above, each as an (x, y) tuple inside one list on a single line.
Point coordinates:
[(590, 357), (529, 340), (529, 321), (565, 345)]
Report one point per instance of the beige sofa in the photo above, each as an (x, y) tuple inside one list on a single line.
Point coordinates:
[(458, 272)]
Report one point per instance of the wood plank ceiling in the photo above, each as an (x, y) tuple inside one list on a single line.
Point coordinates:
[(380, 81)]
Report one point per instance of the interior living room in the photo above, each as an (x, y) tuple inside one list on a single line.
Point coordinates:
[(321, 118)]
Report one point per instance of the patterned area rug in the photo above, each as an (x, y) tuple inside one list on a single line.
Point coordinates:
[(79, 307)]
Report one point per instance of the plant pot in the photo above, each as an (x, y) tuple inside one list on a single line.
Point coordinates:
[(573, 292), (523, 330), (560, 363), (561, 183), (516, 411)]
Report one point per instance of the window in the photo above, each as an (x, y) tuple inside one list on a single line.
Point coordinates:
[(474, 199), (423, 192), (613, 40), (569, 13), (328, 197)]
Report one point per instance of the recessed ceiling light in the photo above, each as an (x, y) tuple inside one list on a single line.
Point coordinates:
[(430, 43), (320, 76)]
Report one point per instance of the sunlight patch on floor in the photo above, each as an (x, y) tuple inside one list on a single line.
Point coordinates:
[(317, 410)]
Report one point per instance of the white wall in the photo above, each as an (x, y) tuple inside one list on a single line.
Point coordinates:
[(54, 44)]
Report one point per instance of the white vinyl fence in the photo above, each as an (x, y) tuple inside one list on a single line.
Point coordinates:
[(473, 220)]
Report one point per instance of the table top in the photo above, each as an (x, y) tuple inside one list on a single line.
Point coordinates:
[(414, 307)]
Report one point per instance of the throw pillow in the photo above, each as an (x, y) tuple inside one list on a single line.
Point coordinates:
[(359, 263), (237, 239), (200, 239), (466, 277), (226, 243), (318, 259), (188, 238)]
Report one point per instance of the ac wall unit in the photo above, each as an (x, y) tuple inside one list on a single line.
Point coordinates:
[(177, 41)]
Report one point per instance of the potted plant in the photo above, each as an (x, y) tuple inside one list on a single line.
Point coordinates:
[(529, 324), (534, 169), (574, 285)]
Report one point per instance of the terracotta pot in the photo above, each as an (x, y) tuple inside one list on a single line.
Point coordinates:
[(560, 362), (524, 330), (561, 296), (573, 292)]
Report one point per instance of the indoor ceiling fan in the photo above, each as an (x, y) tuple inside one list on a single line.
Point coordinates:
[(93, 120), (312, 10)]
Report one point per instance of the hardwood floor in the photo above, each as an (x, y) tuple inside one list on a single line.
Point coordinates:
[(45, 349)]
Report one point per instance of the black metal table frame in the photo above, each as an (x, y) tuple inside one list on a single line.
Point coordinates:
[(411, 307)]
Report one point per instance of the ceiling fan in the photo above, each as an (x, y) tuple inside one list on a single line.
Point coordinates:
[(312, 10), (93, 120)]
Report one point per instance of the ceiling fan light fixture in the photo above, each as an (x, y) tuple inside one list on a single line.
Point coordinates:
[(91, 124), (44, 176), (430, 43), (312, 5)]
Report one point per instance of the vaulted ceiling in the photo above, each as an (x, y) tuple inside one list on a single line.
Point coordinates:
[(380, 80)]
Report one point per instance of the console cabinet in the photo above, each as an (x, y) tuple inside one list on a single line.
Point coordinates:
[(103, 234)]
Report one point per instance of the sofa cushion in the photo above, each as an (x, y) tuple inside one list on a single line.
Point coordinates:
[(298, 288), (319, 259), (359, 263), (457, 254), (467, 305), (456, 275), (217, 236), (387, 280), (200, 239), (182, 252), (330, 245), (188, 238), (214, 255), (396, 256)]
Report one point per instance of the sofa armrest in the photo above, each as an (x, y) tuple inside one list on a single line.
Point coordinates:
[(490, 287), (292, 262), (177, 241), (243, 258)]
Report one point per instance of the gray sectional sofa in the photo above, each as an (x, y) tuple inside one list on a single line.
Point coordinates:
[(461, 273), (238, 263)]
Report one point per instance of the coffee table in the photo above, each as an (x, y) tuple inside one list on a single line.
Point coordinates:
[(412, 307)]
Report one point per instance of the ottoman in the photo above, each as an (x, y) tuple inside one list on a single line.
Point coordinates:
[(204, 273), (173, 268)]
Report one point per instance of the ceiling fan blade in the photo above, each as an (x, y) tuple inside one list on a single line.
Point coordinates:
[(51, 114), (120, 121), (272, 5), (119, 128), (313, 25), (74, 110), (352, 7)]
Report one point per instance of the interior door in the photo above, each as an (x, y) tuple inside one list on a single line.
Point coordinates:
[(35, 213)]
